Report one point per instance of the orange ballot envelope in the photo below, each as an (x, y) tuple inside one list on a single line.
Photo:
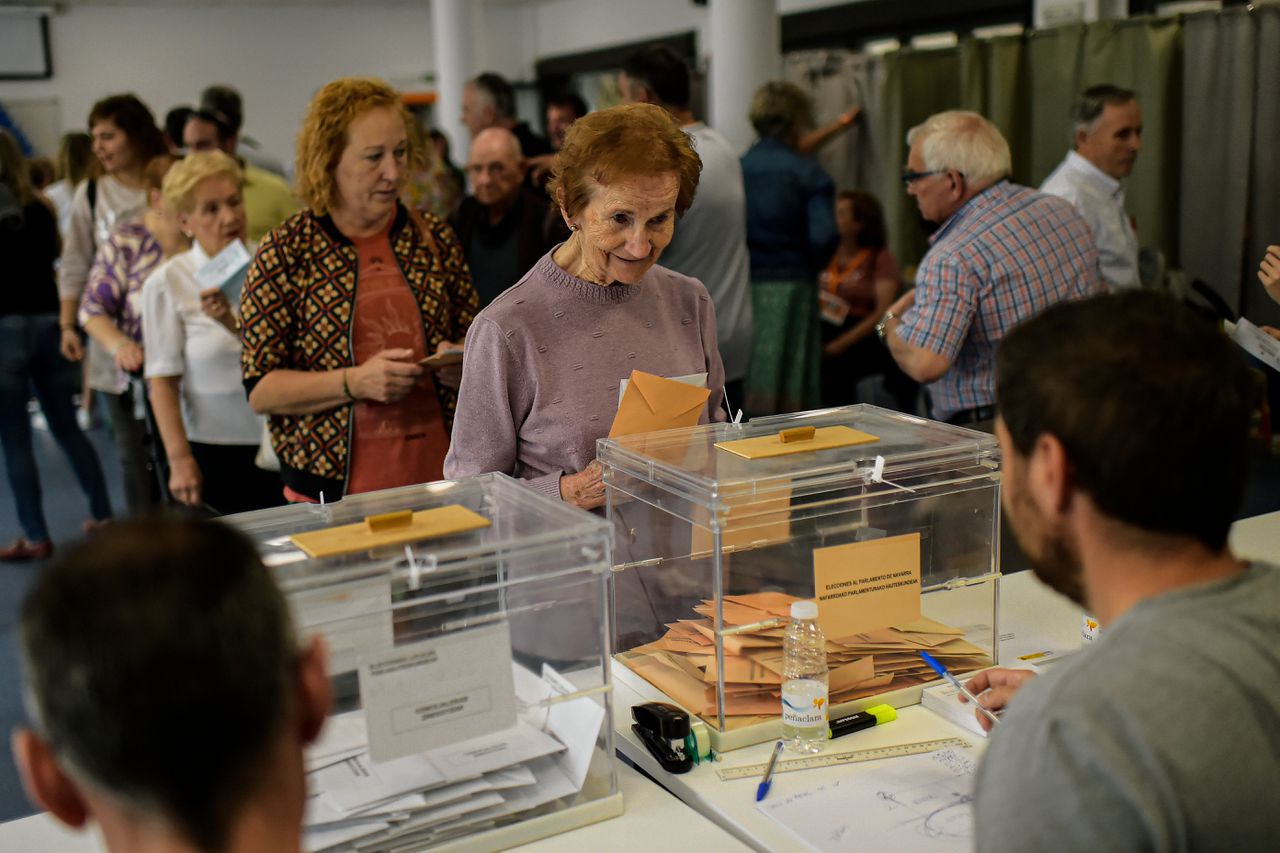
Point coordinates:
[(651, 403)]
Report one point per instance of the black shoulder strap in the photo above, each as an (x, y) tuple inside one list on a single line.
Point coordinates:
[(93, 198)]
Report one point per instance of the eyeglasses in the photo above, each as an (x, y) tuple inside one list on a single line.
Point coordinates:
[(909, 177)]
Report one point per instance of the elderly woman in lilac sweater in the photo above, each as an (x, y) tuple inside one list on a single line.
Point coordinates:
[(544, 360)]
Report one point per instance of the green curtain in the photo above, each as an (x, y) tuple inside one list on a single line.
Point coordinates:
[(1053, 74), (1264, 204), (1207, 85), (993, 82), (917, 84)]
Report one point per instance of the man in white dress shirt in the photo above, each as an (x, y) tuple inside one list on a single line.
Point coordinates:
[(1107, 129)]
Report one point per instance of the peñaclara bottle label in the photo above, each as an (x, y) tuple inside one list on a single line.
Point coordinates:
[(804, 703)]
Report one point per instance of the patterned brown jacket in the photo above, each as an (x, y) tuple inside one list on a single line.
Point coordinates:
[(297, 310)]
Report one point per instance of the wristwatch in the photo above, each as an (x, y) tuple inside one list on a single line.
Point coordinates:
[(883, 325)]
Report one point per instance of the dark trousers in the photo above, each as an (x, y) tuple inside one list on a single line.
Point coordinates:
[(142, 482), (30, 359), (867, 358), (232, 483)]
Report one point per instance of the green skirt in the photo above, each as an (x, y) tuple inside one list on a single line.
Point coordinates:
[(787, 353)]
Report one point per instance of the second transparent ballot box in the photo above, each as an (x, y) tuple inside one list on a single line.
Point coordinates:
[(467, 633), (890, 522)]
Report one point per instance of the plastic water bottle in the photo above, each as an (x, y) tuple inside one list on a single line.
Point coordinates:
[(804, 681)]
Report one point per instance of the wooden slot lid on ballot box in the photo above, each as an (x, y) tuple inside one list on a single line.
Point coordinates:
[(392, 528), (797, 440)]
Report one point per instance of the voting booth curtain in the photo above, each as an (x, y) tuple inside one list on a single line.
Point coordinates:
[(1205, 191)]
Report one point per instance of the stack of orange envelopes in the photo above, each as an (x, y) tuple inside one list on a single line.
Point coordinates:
[(682, 663)]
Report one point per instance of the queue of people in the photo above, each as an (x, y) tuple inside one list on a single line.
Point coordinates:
[(652, 247), (344, 299)]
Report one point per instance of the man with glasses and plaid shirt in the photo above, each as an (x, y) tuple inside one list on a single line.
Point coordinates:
[(1002, 254)]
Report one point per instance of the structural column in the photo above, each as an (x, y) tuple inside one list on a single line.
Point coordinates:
[(744, 48), (454, 44)]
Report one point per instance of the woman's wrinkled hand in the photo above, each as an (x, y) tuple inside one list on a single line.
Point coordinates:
[(585, 489), (213, 302), (450, 376), (386, 377), (71, 346), (185, 480), (129, 357)]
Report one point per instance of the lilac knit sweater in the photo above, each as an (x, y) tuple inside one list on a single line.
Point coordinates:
[(543, 361)]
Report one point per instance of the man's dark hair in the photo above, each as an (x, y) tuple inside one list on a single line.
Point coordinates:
[(223, 102), (571, 100), (175, 121), (217, 120), (870, 215), (497, 88), (1150, 400), (663, 72), (1089, 104), (159, 661), (133, 117)]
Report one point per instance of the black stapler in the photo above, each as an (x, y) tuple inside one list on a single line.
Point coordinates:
[(663, 729)]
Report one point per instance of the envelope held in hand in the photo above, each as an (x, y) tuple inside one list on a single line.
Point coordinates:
[(651, 403)]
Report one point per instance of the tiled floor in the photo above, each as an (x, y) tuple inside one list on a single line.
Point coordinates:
[(65, 508)]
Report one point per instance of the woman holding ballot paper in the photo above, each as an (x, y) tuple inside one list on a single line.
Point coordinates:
[(545, 360), (349, 304), (191, 347)]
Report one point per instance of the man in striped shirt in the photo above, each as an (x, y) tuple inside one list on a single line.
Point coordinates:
[(1002, 254)]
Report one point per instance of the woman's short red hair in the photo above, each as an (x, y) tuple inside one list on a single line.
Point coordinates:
[(631, 140)]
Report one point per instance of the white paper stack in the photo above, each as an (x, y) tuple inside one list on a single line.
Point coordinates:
[(412, 802)]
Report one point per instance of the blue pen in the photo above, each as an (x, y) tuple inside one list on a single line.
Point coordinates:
[(955, 682), (763, 789)]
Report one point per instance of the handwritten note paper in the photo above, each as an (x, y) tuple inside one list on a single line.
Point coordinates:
[(862, 586), (915, 804)]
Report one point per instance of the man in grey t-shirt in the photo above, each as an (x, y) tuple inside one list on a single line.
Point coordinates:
[(1123, 421), (711, 242)]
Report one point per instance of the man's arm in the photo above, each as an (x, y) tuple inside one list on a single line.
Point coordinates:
[(921, 364)]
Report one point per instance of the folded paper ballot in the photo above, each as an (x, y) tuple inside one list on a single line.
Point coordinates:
[(682, 663), (418, 800)]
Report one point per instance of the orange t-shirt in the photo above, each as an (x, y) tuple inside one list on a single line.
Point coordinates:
[(402, 443)]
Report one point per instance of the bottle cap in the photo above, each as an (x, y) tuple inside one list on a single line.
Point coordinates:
[(804, 610)]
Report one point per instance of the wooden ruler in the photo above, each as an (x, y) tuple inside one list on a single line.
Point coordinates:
[(809, 762)]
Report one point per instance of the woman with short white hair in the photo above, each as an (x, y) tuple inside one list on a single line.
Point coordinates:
[(192, 346)]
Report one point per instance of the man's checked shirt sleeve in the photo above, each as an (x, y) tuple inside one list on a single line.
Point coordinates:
[(944, 308)]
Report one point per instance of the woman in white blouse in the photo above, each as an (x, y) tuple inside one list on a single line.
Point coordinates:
[(192, 346)]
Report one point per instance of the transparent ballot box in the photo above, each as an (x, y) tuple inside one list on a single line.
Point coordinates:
[(889, 521), (467, 633)]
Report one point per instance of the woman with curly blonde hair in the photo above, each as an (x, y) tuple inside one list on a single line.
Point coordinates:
[(345, 299)]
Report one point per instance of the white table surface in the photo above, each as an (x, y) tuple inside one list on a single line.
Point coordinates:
[(1032, 618), (712, 815), (651, 813), (1257, 538)]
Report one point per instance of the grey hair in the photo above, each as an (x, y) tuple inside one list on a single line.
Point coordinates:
[(965, 142), (1087, 108)]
